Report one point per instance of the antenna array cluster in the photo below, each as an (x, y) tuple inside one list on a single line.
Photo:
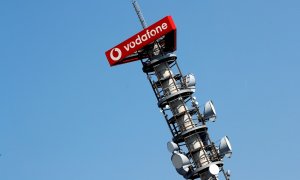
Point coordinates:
[(193, 154)]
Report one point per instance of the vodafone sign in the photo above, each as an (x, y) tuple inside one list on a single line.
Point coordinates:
[(116, 54)]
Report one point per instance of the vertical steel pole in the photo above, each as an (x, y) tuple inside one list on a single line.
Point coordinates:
[(139, 13)]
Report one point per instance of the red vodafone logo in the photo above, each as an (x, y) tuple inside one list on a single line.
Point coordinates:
[(115, 54)]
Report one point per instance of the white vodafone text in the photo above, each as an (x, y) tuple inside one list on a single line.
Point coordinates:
[(148, 34)]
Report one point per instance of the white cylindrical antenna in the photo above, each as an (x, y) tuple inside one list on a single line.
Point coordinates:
[(139, 13)]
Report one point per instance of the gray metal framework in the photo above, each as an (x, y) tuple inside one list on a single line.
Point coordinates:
[(180, 110), (182, 133)]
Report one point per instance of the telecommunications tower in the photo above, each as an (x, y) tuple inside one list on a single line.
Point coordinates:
[(193, 154)]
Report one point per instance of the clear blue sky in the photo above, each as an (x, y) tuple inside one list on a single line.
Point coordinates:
[(66, 115)]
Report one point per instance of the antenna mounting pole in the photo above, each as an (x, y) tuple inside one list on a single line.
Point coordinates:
[(139, 13)]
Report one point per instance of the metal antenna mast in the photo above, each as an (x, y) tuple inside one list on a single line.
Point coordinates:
[(193, 154), (139, 13)]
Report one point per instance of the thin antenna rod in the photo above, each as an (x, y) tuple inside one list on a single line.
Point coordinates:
[(139, 13)]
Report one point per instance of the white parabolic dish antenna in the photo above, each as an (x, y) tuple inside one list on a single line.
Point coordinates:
[(179, 160), (172, 146), (214, 169)]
